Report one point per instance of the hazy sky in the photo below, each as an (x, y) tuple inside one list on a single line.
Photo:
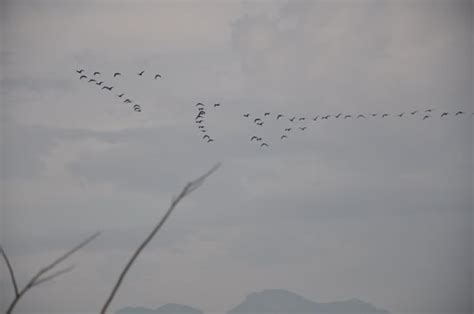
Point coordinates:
[(374, 209)]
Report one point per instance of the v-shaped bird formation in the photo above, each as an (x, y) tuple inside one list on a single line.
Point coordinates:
[(96, 78)]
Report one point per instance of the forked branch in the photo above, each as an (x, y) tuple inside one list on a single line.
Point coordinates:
[(188, 189)]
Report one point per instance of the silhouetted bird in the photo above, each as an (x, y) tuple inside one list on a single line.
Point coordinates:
[(347, 116), (301, 119), (283, 137), (260, 123), (426, 117), (279, 116), (99, 83), (292, 119), (210, 140), (199, 121), (315, 118), (127, 101), (137, 108), (96, 73), (414, 112), (459, 112), (303, 128), (266, 114), (201, 127), (444, 114), (247, 115), (206, 136), (117, 74), (288, 129), (203, 131), (108, 87), (256, 120), (217, 105), (264, 144), (141, 73), (361, 116), (121, 95), (326, 117), (385, 115), (157, 76), (338, 115), (82, 76), (429, 110), (199, 104), (373, 114), (253, 138), (91, 80), (401, 114), (80, 71)]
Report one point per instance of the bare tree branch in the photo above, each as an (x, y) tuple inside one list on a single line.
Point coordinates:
[(36, 280), (10, 269), (188, 189), (53, 275)]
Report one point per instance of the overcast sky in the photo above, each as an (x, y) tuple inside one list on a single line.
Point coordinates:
[(376, 209)]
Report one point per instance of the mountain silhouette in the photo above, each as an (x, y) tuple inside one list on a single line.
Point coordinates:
[(282, 301), (169, 308)]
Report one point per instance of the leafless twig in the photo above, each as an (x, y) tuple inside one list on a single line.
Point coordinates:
[(188, 189), (38, 279), (10, 269)]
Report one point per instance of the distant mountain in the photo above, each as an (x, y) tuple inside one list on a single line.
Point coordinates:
[(169, 308), (282, 301)]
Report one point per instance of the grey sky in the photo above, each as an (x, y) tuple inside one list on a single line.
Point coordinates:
[(379, 210)]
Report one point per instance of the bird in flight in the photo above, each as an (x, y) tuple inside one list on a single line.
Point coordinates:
[(141, 73), (157, 76), (247, 115), (361, 116), (260, 123), (347, 116), (266, 114), (199, 121), (217, 105), (288, 129), (254, 138), (107, 87), (117, 74), (326, 117), (283, 137), (428, 110), (137, 108), (264, 144), (338, 115), (315, 118), (385, 115), (80, 71), (401, 114), (96, 73), (127, 101), (199, 104), (426, 117), (303, 128), (256, 120), (82, 76), (301, 119), (91, 80), (279, 116), (444, 114), (459, 112), (121, 95), (292, 119), (414, 112), (201, 127), (99, 83), (206, 136), (210, 140)]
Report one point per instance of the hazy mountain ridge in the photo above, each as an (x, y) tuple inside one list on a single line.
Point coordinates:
[(269, 302)]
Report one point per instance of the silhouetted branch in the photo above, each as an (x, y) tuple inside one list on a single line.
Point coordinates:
[(53, 275), (188, 189), (36, 280), (10, 269)]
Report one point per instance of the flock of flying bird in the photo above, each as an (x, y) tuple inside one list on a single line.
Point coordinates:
[(300, 123), (95, 79), (200, 120), (297, 123)]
